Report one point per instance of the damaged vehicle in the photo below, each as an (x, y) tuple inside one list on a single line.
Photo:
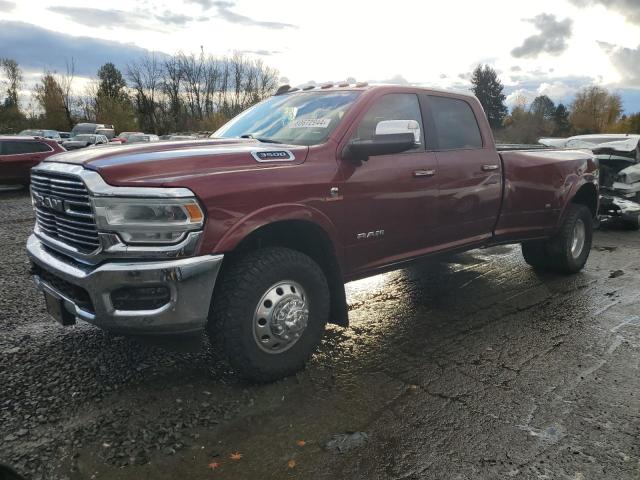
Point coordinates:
[(619, 158)]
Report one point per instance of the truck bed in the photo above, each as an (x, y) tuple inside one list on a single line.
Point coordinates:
[(536, 187)]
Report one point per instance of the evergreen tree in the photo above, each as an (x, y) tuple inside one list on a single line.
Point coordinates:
[(489, 90), (12, 119), (562, 126), (543, 107), (112, 103), (13, 74), (111, 83)]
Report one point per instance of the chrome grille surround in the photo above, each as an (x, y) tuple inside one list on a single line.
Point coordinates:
[(63, 210), (65, 217)]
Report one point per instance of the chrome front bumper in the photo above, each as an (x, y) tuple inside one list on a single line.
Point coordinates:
[(190, 283)]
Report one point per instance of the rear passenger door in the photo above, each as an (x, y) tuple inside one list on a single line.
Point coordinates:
[(469, 173)]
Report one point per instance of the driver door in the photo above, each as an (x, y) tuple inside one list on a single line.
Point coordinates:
[(390, 200)]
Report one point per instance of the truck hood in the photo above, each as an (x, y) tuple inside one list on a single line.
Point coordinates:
[(174, 163)]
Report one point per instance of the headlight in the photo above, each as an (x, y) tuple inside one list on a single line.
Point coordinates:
[(148, 220)]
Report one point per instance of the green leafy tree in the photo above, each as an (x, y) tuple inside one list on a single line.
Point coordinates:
[(627, 124), (595, 110), (50, 97), (489, 90)]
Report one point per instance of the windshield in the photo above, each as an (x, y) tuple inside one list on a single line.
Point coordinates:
[(305, 118), (84, 128), (139, 138), (32, 133)]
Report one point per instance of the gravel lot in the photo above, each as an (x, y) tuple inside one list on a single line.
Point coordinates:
[(474, 368)]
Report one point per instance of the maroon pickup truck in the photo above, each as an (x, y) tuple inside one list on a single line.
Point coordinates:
[(252, 234)]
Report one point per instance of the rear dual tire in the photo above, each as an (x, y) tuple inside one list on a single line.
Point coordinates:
[(567, 252)]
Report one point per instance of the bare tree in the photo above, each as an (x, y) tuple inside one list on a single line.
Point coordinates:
[(195, 91), (145, 77), (65, 81), (211, 86), (194, 72), (172, 89), (87, 102)]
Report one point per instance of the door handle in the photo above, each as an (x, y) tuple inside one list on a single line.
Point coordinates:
[(490, 167), (424, 173)]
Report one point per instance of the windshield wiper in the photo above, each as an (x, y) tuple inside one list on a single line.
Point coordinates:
[(260, 139)]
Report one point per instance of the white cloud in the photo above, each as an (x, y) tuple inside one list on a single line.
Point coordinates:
[(552, 38), (557, 90), (626, 61)]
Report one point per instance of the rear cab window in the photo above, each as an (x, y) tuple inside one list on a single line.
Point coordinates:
[(455, 124)]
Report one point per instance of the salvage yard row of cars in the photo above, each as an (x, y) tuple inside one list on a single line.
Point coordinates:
[(618, 157), (19, 153)]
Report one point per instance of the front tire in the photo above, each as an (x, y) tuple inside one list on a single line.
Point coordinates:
[(269, 312), (568, 251)]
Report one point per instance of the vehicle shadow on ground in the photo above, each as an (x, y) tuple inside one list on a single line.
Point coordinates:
[(430, 300)]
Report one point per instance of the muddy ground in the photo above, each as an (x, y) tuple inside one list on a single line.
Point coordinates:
[(472, 368)]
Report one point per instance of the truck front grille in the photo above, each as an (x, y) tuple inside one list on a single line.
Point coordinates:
[(63, 210)]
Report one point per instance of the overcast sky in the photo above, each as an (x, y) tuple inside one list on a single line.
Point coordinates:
[(551, 47)]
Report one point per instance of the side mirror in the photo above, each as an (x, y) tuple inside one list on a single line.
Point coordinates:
[(391, 136)]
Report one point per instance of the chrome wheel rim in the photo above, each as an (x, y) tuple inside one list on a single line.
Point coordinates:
[(578, 240), (280, 317)]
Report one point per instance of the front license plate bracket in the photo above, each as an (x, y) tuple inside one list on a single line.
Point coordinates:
[(56, 308)]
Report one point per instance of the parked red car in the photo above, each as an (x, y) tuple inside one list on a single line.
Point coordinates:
[(18, 154), (124, 136)]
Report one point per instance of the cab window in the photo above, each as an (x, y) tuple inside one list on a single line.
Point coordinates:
[(455, 124), (393, 106)]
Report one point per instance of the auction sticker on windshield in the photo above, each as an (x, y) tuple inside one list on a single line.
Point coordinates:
[(311, 123)]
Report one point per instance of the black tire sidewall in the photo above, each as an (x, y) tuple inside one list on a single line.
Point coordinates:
[(578, 212), (318, 312), (241, 348)]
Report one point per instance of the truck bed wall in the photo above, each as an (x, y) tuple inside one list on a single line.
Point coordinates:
[(538, 184)]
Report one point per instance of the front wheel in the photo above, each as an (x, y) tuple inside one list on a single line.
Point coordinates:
[(568, 250), (269, 311)]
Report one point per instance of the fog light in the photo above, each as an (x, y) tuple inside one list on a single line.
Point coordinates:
[(140, 298)]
